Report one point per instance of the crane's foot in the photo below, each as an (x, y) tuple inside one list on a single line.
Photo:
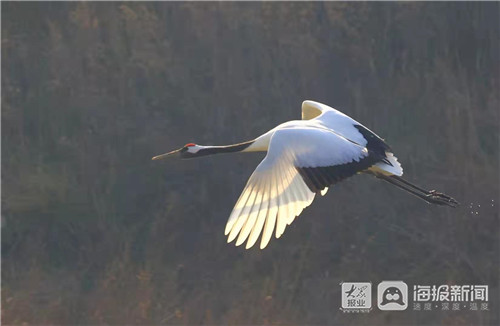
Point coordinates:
[(439, 198)]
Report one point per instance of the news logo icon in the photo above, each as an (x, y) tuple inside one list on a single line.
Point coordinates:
[(392, 295)]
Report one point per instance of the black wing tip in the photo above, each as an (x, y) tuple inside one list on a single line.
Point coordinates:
[(373, 142), (318, 178)]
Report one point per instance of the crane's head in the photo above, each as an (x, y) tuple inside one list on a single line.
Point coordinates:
[(187, 151)]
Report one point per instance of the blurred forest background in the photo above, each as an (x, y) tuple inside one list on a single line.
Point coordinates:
[(94, 232)]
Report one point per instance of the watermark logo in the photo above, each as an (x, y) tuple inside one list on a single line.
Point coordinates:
[(392, 295), (450, 297), (395, 295), (356, 296)]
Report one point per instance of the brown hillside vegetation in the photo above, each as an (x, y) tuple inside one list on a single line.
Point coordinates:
[(94, 232)]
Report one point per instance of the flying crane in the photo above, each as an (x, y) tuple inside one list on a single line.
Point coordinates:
[(304, 158)]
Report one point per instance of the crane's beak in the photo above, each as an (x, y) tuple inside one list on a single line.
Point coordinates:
[(172, 153)]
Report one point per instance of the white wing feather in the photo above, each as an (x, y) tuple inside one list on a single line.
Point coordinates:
[(334, 120), (345, 125), (276, 193)]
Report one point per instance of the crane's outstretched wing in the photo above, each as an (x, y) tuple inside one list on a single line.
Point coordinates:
[(300, 162), (339, 122), (354, 131)]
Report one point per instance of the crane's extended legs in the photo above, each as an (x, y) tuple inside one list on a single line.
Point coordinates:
[(430, 196)]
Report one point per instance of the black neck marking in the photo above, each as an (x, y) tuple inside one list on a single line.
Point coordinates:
[(218, 149)]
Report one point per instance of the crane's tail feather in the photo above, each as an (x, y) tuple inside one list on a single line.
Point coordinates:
[(390, 165), (430, 196)]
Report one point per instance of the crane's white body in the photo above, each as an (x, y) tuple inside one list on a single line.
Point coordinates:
[(276, 193)]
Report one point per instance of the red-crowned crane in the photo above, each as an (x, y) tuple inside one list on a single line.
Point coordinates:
[(305, 157)]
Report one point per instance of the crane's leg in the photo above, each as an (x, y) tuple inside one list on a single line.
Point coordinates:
[(430, 196)]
